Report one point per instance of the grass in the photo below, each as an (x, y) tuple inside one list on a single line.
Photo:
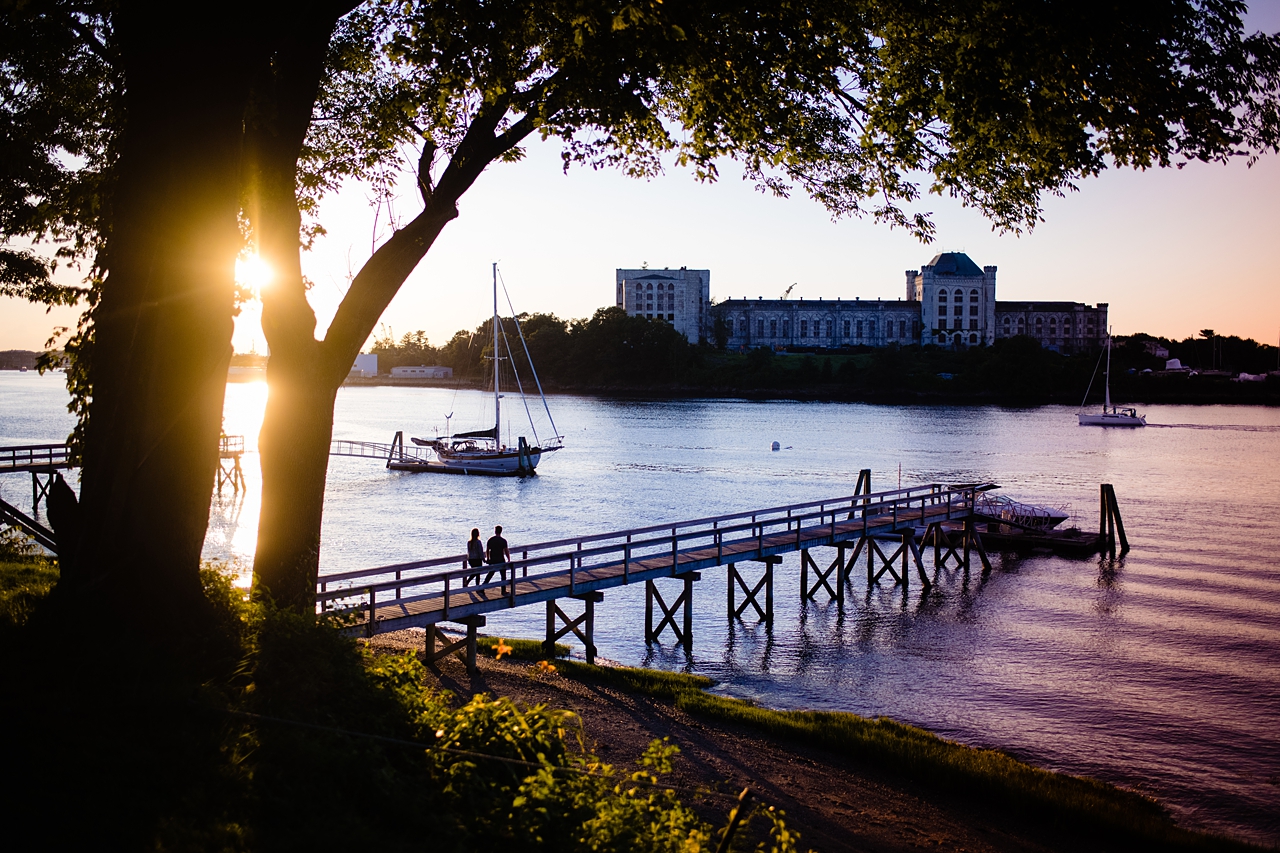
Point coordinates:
[(24, 581), (1070, 803), (520, 649)]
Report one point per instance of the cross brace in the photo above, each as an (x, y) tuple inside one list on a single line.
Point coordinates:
[(834, 586), (751, 594), (585, 634), (433, 654), (684, 634)]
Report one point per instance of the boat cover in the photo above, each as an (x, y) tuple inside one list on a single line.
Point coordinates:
[(490, 433)]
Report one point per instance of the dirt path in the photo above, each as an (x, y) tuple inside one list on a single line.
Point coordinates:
[(836, 805)]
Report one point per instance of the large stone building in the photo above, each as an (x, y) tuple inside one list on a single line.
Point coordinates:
[(681, 297), (950, 301)]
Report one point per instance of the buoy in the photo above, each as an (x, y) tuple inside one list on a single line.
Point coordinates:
[(777, 446)]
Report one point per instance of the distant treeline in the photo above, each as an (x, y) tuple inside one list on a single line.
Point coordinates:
[(16, 359), (614, 352)]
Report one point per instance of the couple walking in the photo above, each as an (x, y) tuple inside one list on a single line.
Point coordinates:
[(494, 552)]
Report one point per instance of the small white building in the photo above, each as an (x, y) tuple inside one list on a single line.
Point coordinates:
[(680, 297), (422, 371), (366, 366)]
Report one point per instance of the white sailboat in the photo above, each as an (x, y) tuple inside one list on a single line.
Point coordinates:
[(483, 451), (1110, 416)]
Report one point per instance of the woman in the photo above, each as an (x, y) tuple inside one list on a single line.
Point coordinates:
[(475, 555)]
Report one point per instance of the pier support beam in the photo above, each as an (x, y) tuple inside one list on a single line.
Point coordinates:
[(684, 633), (751, 594), (40, 489), (556, 618), (1110, 525), (943, 548), (831, 579), (433, 654), (900, 555)]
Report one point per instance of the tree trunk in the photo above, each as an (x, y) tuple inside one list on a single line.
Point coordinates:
[(163, 327)]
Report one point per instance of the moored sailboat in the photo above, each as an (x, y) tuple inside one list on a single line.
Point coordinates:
[(1110, 416), (483, 451)]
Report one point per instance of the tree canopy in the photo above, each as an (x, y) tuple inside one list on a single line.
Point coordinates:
[(146, 147)]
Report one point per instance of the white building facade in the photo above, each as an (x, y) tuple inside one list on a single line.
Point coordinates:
[(950, 301), (680, 297)]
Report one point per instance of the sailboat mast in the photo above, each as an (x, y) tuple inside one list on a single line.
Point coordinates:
[(497, 398), (1107, 406)]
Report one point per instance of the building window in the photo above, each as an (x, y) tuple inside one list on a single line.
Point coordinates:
[(846, 328), (902, 328), (830, 324), (871, 328), (773, 328), (650, 287), (671, 317), (888, 329), (786, 328), (804, 328), (859, 328), (742, 328), (915, 328), (973, 296), (957, 323), (973, 324), (648, 316), (760, 328), (942, 296), (942, 310), (973, 339), (959, 295)]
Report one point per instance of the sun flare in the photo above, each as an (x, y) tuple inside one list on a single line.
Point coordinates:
[(253, 272)]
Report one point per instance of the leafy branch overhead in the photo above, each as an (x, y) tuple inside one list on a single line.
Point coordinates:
[(863, 105)]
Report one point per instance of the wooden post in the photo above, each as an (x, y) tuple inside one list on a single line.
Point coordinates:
[(471, 645), (688, 610), (648, 611), (804, 575), (549, 644), (590, 638), (968, 537), (731, 576)]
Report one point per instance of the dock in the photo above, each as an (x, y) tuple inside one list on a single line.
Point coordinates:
[(896, 533)]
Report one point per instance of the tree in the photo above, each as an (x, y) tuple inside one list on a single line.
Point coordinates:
[(860, 104)]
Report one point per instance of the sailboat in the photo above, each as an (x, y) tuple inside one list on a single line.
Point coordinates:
[(483, 451), (1110, 416)]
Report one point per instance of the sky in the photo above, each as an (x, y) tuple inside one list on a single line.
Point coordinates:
[(1171, 251)]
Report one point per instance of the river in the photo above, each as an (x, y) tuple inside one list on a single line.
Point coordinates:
[(1160, 672)]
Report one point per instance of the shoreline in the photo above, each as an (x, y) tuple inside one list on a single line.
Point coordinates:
[(1248, 396), (836, 798)]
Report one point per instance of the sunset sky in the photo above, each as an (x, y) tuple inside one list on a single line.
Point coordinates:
[(1172, 251)]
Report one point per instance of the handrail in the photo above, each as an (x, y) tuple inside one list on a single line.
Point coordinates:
[(882, 508), (21, 456)]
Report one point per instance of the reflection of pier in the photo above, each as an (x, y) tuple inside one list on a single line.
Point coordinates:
[(883, 526)]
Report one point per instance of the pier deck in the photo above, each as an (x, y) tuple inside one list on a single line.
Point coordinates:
[(420, 594)]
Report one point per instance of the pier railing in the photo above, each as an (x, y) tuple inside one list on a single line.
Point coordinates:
[(35, 456), (610, 559)]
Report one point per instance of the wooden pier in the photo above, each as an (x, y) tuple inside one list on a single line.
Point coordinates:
[(896, 532), (880, 527)]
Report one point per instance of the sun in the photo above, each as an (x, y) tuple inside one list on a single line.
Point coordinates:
[(253, 272)]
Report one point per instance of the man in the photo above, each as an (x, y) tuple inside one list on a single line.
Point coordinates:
[(499, 554)]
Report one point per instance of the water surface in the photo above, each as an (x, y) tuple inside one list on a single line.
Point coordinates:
[(1160, 672)]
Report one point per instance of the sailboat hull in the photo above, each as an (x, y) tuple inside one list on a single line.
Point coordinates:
[(1112, 419)]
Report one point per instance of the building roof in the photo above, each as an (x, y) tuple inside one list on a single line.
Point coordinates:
[(954, 263)]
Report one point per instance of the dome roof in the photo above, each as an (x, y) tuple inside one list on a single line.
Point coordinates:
[(954, 263)]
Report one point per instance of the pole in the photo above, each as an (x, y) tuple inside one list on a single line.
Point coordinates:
[(497, 398)]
